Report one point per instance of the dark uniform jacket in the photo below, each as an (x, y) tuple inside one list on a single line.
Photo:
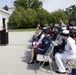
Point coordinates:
[(45, 43)]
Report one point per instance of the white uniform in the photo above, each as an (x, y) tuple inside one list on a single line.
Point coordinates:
[(69, 53), (41, 38)]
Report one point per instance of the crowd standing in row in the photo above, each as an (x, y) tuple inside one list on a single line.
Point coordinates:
[(66, 48)]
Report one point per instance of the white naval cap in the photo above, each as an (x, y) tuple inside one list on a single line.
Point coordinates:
[(65, 32), (70, 27), (74, 27), (63, 28), (44, 27)]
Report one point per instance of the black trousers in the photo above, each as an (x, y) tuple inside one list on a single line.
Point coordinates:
[(56, 49)]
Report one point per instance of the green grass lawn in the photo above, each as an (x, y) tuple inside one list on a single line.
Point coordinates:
[(22, 30)]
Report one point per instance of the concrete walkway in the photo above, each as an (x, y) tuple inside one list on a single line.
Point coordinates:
[(15, 55)]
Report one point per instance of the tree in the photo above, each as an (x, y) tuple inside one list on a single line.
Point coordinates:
[(23, 19), (22, 11), (5, 7), (58, 14), (15, 19), (29, 18), (42, 16), (71, 11), (34, 4)]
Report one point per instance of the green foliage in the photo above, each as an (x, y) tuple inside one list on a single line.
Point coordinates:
[(34, 4), (71, 11), (29, 13), (15, 19), (22, 3), (23, 19), (22, 30), (26, 9), (29, 18), (58, 14), (20, 9), (42, 16)]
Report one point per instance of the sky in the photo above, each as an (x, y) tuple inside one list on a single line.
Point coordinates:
[(52, 5), (5, 2), (49, 5)]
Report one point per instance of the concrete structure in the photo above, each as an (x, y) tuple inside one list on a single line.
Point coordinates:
[(4, 17), (11, 9)]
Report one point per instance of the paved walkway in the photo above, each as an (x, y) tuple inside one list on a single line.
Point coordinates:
[(15, 55)]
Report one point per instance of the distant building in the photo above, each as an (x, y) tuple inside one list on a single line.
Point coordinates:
[(4, 18), (11, 9), (4, 15)]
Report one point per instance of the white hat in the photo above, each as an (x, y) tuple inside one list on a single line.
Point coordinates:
[(70, 27), (44, 27), (74, 27), (65, 32), (64, 28)]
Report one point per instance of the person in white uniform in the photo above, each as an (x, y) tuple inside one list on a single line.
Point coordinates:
[(68, 53)]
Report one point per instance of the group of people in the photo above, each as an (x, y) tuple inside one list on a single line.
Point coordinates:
[(65, 50), (41, 43)]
